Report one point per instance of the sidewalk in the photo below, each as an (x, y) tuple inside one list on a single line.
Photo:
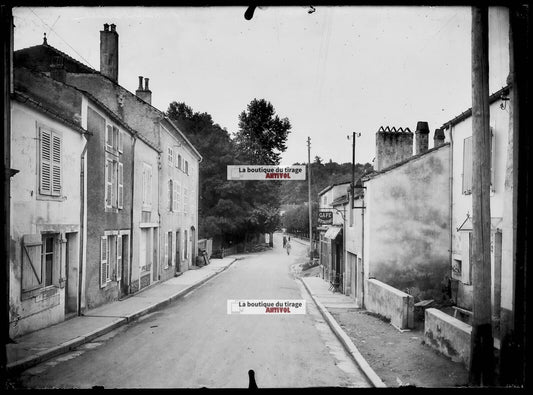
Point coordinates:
[(36, 347), (388, 357)]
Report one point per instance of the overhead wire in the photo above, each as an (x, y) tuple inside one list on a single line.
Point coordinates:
[(51, 29)]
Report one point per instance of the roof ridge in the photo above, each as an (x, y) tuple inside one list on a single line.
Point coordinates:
[(68, 57)]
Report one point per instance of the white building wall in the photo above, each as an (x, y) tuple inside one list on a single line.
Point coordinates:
[(32, 214)]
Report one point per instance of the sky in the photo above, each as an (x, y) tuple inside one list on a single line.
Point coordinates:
[(332, 72)]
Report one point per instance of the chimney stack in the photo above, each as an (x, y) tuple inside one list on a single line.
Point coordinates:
[(438, 138), (144, 94), (392, 146), (421, 137), (109, 52)]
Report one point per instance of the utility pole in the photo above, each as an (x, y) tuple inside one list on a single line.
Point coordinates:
[(309, 198), (6, 17), (482, 343), (352, 189)]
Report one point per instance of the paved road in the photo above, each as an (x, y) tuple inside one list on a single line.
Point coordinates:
[(194, 343)]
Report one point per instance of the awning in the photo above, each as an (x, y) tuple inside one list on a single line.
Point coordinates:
[(333, 232), (495, 224)]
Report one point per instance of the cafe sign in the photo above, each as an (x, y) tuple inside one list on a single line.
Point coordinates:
[(325, 217)]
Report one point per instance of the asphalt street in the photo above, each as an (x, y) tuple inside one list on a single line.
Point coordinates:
[(195, 343)]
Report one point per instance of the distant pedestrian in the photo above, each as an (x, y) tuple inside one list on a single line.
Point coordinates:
[(284, 241), (288, 246)]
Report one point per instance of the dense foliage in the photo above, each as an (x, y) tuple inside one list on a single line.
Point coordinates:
[(235, 210)]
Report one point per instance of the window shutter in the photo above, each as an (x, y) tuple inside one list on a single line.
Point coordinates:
[(109, 136), (114, 179), (467, 165), (173, 251), (115, 138), (144, 185), (149, 197), (56, 164), (120, 141), (492, 159), (166, 253), (179, 162), (169, 195), (170, 156), (46, 163), (108, 182), (178, 199), (119, 258), (103, 261), (176, 159), (120, 185), (31, 262), (175, 197)]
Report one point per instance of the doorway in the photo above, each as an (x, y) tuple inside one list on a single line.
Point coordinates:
[(178, 251), (125, 267), (71, 273), (155, 243)]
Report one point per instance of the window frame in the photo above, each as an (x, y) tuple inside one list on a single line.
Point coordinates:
[(147, 187), (55, 166), (113, 256)]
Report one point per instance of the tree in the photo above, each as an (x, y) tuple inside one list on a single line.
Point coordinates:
[(262, 134), (221, 211), (260, 140)]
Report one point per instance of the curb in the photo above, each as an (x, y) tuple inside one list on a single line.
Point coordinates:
[(347, 342), (18, 366)]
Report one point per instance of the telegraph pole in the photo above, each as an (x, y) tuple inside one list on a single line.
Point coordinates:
[(309, 197), (482, 343)]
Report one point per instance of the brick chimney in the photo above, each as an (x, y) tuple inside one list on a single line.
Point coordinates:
[(109, 52), (57, 69), (421, 137), (438, 138), (392, 146), (144, 94)]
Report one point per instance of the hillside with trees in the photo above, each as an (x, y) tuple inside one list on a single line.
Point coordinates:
[(322, 175)]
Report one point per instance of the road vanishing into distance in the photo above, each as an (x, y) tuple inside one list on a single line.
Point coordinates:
[(194, 342)]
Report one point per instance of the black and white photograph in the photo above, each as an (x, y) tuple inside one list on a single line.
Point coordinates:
[(265, 197)]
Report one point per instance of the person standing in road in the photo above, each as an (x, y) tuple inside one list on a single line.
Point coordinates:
[(288, 246), (284, 241)]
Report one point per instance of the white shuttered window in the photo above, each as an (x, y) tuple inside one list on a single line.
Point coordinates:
[(50, 182)]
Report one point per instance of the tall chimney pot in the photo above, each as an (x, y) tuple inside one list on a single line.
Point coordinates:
[(438, 138), (109, 52), (421, 137), (144, 94)]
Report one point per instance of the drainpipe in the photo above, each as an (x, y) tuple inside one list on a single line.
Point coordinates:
[(363, 253), (130, 263), (451, 203), (82, 222), (344, 264), (159, 166)]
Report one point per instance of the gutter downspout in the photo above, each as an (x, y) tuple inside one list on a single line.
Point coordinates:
[(132, 232), (82, 223), (363, 252), (451, 204), (344, 263)]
